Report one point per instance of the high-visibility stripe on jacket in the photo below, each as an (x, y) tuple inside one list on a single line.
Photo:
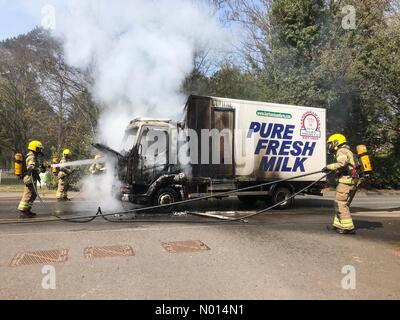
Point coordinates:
[(345, 161)]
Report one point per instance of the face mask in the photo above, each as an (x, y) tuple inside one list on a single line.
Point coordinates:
[(330, 148)]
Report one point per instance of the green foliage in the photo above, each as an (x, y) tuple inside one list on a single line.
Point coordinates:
[(297, 26), (228, 81), (387, 174), (299, 53), (354, 74), (50, 180), (76, 178), (231, 82), (11, 183)]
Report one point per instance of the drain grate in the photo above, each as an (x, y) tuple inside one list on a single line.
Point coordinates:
[(108, 251), (39, 257), (185, 246)]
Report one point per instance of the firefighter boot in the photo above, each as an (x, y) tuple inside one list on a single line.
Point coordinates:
[(25, 215), (343, 231), (32, 214), (340, 231)]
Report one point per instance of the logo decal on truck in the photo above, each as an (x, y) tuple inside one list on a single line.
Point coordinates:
[(310, 126), (270, 114)]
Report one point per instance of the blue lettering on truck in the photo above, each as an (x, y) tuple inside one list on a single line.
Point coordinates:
[(280, 151)]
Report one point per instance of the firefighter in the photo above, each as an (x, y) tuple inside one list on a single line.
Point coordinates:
[(348, 180), (63, 177), (30, 178), (99, 166)]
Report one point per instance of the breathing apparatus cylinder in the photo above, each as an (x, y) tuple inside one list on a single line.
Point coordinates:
[(54, 160), (18, 165), (365, 161)]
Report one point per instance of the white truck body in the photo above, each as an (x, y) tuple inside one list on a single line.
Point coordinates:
[(287, 140)]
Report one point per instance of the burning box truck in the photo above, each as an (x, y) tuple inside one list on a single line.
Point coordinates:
[(223, 145)]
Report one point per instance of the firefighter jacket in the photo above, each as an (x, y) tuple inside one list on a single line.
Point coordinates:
[(97, 168), (344, 164), (32, 168), (64, 171)]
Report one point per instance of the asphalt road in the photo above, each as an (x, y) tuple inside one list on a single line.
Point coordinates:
[(280, 255)]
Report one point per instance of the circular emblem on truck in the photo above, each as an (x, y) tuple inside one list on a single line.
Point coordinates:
[(310, 125)]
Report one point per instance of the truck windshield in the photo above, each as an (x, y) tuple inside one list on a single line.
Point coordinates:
[(129, 140)]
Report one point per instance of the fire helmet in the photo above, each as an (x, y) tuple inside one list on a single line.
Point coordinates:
[(335, 141), (66, 153), (35, 146)]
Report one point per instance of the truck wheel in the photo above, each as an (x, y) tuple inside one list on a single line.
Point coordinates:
[(250, 201), (280, 194), (166, 196)]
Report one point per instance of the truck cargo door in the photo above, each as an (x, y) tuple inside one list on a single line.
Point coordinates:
[(224, 121)]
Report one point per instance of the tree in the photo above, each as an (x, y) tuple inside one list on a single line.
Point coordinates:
[(41, 97), (303, 55), (22, 106)]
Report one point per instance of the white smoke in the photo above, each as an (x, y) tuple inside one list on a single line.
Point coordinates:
[(139, 53), (101, 189)]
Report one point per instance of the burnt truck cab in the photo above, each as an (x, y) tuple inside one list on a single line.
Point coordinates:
[(148, 162), (145, 174)]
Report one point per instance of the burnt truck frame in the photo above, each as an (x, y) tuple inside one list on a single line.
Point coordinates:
[(166, 183)]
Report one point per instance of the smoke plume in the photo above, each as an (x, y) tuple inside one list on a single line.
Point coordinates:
[(138, 52)]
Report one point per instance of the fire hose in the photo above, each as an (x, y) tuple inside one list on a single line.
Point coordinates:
[(105, 216)]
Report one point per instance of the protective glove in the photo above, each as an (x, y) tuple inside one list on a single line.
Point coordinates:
[(325, 170)]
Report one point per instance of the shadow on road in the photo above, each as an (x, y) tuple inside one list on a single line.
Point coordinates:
[(367, 225), (361, 209)]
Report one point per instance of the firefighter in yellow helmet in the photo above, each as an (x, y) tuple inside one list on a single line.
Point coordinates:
[(63, 177), (99, 166), (31, 177), (345, 167)]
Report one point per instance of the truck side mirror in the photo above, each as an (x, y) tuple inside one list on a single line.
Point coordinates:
[(140, 149)]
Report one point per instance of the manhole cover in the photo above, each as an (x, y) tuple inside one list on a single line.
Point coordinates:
[(39, 257), (185, 246), (108, 251)]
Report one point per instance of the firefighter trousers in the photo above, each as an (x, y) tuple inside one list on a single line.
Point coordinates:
[(62, 191), (344, 196), (28, 197)]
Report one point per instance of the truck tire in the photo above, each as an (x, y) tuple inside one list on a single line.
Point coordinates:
[(280, 194), (166, 196), (250, 201)]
